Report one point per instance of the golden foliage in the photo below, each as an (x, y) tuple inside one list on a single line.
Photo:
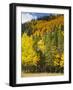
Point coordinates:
[(48, 25), (41, 45), (59, 60), (29, 56)]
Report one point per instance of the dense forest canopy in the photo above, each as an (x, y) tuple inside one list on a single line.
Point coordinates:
[(43, 44)]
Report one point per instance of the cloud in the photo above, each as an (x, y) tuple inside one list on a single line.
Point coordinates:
[(26, 17)]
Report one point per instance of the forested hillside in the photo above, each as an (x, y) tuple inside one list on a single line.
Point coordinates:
[(43, 45), (44, 25)]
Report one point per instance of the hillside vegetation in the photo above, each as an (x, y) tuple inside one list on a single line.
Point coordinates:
[(43, 45), (43, 26)]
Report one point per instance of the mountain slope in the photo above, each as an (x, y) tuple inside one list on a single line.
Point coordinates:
[(42, 26)]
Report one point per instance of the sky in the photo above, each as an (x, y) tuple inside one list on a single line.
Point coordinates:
[(26, 16)]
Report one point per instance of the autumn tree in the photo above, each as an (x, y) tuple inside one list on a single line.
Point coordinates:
[(29, 56)]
